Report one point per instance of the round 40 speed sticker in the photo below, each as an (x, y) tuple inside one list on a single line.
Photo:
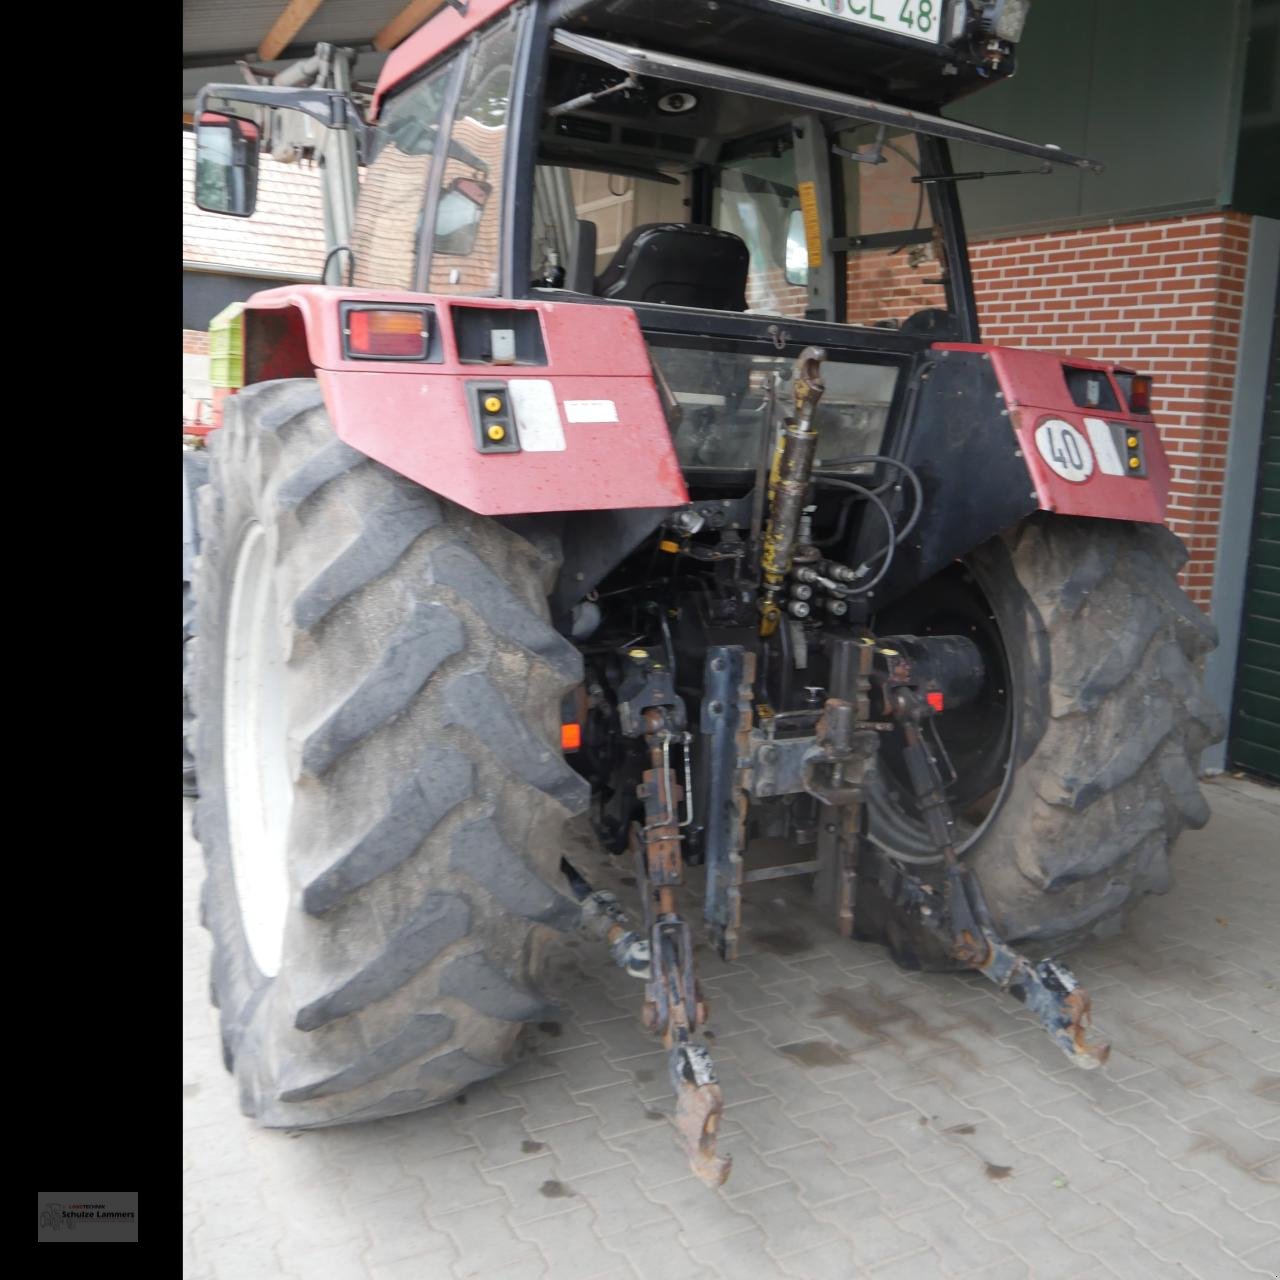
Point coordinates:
[(1065, 450)]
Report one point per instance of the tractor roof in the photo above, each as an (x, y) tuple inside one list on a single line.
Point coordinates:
[(792, 39)]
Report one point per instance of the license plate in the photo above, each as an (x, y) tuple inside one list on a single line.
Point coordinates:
[(919, 19)]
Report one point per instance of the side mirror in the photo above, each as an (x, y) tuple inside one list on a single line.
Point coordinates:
[(458, 215), (226, 164), (796, 268)]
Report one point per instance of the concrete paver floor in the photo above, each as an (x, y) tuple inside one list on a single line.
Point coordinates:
[(935, 1133)]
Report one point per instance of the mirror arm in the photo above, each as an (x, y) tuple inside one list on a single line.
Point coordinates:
[(330, 107)]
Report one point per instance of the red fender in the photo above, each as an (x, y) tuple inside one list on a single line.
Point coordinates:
[(1036, 397), (614, 448)]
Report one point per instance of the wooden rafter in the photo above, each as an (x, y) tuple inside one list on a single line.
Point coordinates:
[(412, 16), (293, 17)]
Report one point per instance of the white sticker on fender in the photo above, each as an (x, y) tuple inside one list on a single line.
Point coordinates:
[(591, 411), (1065, 450), (533, 401), (1104, 446)]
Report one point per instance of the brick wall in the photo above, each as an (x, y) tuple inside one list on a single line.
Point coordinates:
[(1163, 297)]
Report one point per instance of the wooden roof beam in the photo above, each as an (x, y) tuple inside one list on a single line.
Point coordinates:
[(412, 16), (293, 17)]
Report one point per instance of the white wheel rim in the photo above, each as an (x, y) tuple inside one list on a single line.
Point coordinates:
[(258, 784)]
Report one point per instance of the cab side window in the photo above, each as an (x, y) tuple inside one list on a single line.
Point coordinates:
[(388, 221), (465, 255)]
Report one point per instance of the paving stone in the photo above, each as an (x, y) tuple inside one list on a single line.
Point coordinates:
[(770, 1128), (1031, 1238), (339, 1261), (920, 1264), (834, 1260), (1152, 1222), (780, 1026), (379, 1175), (817, 1177), (531, 1189), (619, 1109), (982, 1198), (570, 1245), (898, 1189), (486, 1242), (1036, 1088), (1254, 1107), (579, 1150), (751, 1171), (1013, 1269), (1263, 1262), (745, 1254), (249, 1256), (1245, 1187), (397, 1228), (961, 1245), (1240, 1232), (869, 1100), (320, 1216), (546, 1102), (1073, 1215), (924, 1146), (1205, 1258), (1247, 1147), (842, 1134), (657, 1157), (501, 1137), (1268, 1211), (585, 1068), (785, 1219), (1114, 1244), (453, 1181), (796, 1089), (703, 1214), (1140, 1158), (890, 1068), (1017, 1121), (741, 991), (657, 1255), (428, 1267), (875, 1238), (229, 1205), (618, 1204)]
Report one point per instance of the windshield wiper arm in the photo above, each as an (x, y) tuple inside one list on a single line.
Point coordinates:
[(981, 173)]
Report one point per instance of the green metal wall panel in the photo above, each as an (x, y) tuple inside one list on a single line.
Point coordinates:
[(1255, 725), (1149, 87)]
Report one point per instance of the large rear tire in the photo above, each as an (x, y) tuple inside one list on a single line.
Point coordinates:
[(1087, 740), (382, 793)]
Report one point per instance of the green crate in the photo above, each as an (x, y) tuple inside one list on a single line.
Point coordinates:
[(226, 347)]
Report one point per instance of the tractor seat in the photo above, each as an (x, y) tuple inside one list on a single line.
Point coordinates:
[(680, 265)]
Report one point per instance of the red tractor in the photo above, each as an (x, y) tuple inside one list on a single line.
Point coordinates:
[(639, 489)]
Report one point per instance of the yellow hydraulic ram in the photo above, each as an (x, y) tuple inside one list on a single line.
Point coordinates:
[(789, 483)]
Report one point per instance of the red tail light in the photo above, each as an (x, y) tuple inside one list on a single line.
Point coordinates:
[(1140, 394), (399, 334)]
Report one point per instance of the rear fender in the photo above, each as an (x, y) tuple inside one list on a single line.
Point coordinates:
[(600, 440), (974, 439), (1035, 397)]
